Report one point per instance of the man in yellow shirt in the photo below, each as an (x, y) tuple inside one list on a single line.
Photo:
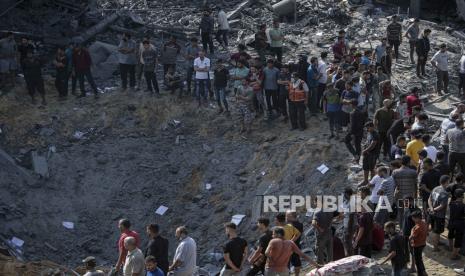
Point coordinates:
[(414, 147), (290, 232)]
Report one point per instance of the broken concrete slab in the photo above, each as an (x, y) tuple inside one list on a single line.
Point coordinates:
[(39, 164)]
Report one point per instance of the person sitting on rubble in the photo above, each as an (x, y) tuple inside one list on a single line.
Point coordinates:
[(173, 81), (33, 76), (91, 264)]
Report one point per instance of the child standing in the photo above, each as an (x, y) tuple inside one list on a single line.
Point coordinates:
[(244, 97), (418, 241), (332, 108), (221, 82)]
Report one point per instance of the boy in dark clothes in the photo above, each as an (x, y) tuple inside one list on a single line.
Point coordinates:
[(220, 83), (32, 69)]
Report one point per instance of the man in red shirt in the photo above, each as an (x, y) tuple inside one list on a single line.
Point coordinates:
[(413, 100), (81, 68), (124, 226), (279, 252)]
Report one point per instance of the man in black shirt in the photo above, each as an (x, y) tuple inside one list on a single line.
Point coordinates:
[(397, 254), (291, 217), (258, 259), (157, 247), (399, 127), (220, 83), (441, 163), (23, 48), (370, 152), (235, 252), (355, 134), (428, 182)]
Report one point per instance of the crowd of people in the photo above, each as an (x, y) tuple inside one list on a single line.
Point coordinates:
[(353, 90)]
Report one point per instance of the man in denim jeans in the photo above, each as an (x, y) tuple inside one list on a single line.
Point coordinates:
[(221, 82), (201, 68)]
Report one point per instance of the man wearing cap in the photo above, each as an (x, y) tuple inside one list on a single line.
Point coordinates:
[(394, 35), (90, 264), (412, 34), (383, 119), (441, 64)]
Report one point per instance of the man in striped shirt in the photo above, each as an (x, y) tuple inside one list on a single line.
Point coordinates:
[(405, 180), (394, 34)]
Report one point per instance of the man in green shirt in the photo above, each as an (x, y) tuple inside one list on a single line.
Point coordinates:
[(276, 37), (383, 119)]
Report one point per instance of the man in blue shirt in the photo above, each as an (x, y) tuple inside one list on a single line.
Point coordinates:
[(312, 83), (151, 267)]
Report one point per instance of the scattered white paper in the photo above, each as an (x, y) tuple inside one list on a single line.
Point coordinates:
[(17, 241), (236, 219), (263, 172), (68, 224), (161, 210), (208, 186), (176, 122), (319, 34), (323, 168), (78, 134)]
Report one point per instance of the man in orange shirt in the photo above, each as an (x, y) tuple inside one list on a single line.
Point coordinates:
[(279, 252), (418, 241)]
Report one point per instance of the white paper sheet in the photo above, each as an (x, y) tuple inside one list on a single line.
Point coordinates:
[(68, 224), (208, 186), (323, 168), (237, 219), (17, 241), (161, 210)]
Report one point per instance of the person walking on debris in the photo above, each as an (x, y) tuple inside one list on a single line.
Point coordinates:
[(8, 63), (441, 64), (270, 85), (258, 258), (69, 52), (380, 52), (398, 255), (151, 265), (157, 247), (277, 38), (322, 222), (244, 99), (298, 100), (363, 241), (422, 49), (221, 76), (355, 131), (90, 263), (383, 119), (283, 91), (235, 252), (202, 75), (169, 55), (370, 152), (124, 226), (412, 33), (417, 240), (150, 59), (394, 35), (386, 61), (185, 257), (261, 42), (61, 74), (278, 253), (82, 63), (223, 28), (322, 78), (127, 59), (134, 265), (312, 82), (332, 108), (192, 52), (206, 30), (291, 217), (455, 138), (23, 48), (32, 69)]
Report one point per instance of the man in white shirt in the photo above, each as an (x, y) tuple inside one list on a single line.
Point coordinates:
[(323, 78), (135, 261), (430, 149), (185, 257), (462, 75), (223, 28), (441, 64), (202, 68), (375, 184)]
